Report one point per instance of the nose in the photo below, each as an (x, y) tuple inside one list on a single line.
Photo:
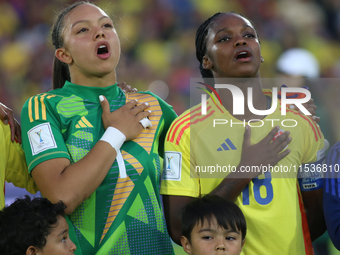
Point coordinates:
[(240, 41), (99, 34), (220, 246), (73, 247)]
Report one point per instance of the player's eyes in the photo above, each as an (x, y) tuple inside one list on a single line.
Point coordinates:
[(82, 30), (207, 237), (250, 35), (224, 39), (230, 238), (64, 240), (108, 25)]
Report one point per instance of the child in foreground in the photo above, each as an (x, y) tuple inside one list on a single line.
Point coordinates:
[(34, 227), (213, 225)]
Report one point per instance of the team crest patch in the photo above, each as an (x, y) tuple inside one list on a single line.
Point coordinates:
[(41, 138), (172, 166)]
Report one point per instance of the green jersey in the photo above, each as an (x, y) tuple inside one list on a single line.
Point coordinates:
[(123, 215)]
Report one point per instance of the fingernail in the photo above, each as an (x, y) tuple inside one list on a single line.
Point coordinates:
[(136, 100), (124, 90), (150, 111), (292, 106), (147, 104), (314, 117), (101, 98)]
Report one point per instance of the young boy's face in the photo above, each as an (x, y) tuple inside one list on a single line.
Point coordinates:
[(212, 239), (58, 241)]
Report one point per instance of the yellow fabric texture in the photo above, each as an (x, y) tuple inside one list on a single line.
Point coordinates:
[(271, 201), (13, 166)]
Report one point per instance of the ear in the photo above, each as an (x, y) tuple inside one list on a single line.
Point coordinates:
[(242, 244), (31, 250), (63, 55), (185, 244), (207, 63), (262, 59)]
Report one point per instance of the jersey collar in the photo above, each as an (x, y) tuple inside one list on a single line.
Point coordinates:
[(93, 93)]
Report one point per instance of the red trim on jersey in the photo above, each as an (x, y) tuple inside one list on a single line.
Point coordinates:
[(310, 123), (218, 108), (183, 121), (174, 124), (305, 228), (188, 125)]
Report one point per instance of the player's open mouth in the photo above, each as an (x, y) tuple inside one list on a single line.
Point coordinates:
[(243, 56), (103, 50)]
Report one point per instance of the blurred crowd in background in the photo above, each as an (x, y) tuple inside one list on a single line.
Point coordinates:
[(157, 38), (158, 45)]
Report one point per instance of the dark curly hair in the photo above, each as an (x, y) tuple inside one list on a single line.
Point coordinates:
[(27, 223)]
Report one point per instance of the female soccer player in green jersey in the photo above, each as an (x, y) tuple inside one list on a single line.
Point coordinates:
[(227, 46), (85, 145)]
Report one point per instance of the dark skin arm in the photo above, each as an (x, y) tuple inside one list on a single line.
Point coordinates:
[(313, 205), (126, 88), (6, 116), (265, 152)]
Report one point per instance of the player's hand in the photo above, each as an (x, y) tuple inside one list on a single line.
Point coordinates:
[(266, 152), (6, 116), (126, 118), (310, 106), (126, 88)]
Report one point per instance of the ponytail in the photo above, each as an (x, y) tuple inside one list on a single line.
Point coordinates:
[(61, 73)]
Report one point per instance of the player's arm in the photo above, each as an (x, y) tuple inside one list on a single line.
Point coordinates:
[(126, 88), (16, 167), (173, 206), (310, 178), (331, 195), (58, 179), (313, 205), (310, 106), (265, 152), (311, 186), (6, 116)]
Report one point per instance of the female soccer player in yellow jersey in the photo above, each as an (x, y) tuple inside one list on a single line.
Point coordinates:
[(85, 145), (227, 46)]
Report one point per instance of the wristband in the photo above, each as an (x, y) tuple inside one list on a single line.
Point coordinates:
[(145, 123), (114, 137)]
